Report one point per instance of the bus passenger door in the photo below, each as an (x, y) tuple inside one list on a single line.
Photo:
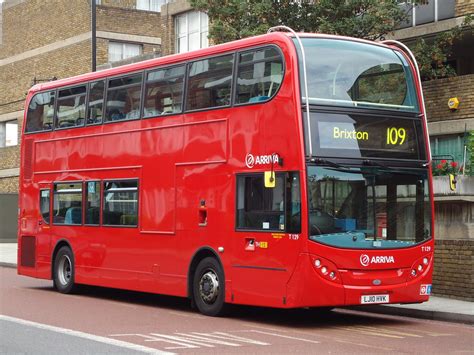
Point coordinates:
[(266, 242)]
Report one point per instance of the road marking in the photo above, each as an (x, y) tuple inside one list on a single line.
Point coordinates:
[(252, 325), (390, 331), (227, 336), (83, 335), (155, 338), (283, 336), (194, 340), (369, 332)]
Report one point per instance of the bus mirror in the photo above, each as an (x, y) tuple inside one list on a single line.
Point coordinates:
[(270, 181)]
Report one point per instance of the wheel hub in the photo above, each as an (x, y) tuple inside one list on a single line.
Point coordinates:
[(209, 287), (64, 270)]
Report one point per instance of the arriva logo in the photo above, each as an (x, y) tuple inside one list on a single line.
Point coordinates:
[(251, 160), (365, 260)]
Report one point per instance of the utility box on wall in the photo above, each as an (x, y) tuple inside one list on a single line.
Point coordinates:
[(8, 218)]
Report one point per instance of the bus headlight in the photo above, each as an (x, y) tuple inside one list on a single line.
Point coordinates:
[(326, 269)]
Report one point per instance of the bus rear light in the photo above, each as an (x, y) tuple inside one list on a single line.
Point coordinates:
[(332, 275), (425, 261), (413, 272), (324, 270), (317, 263), (420, 268)]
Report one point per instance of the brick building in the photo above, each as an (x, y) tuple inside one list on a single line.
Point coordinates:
[(42, 40), (46, 39), (454, 210)]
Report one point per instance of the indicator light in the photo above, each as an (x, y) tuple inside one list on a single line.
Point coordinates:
[(332, 275), (324, 270), (317, 263), (413, 272), (420, 268), (425, 261)]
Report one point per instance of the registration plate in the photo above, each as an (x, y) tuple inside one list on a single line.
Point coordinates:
[(365, 299)]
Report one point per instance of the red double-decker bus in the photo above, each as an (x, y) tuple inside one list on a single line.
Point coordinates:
[(284, 170)]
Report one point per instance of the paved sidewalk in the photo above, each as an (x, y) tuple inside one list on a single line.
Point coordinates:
[(437, 308), (8, 254)]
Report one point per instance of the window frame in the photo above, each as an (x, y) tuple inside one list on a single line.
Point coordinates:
[(86, 99), (149, 6), (55, 91), (285, 199), (103, 182), (86, 190), (144, 72), (3, 142), (147, 71), (55, 183), (187, 33), (48, 222), (123, 44), (232, 85), (106, 96), (236, 73)]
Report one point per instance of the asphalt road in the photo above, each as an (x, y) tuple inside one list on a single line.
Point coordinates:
[(35, 319)]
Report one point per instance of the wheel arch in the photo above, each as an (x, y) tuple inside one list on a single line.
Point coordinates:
[(59, 244), (200, 254)]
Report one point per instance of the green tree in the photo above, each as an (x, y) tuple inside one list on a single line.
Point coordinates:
[(235, 19), (368, 19), (470, 152), (432, 54)]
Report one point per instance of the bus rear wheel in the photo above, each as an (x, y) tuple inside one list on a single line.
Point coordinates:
[(209, 288), (63, 272)]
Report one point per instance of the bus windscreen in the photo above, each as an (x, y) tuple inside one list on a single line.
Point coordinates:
[(354, 74)]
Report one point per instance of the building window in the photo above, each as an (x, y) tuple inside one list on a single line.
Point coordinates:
[(8, 133), (120, 51), (192, 31), (449, 148), (151, 5), (426, 11)]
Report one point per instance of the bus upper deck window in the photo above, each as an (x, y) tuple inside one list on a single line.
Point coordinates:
[(71, 108), (123, 98), (259, 75), (40, 112), (164, 91), (210, 83)]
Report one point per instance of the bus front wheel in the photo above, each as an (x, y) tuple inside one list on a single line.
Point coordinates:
[(208, 287), (63, 279)]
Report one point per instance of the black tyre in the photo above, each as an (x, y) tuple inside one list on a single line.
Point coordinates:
[(63, 272), (209, 287)]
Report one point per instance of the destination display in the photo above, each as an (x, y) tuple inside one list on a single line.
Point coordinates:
[(358, 136)]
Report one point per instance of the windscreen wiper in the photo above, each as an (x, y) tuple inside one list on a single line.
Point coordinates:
[(369, 162), (326, 162), (374, 163)]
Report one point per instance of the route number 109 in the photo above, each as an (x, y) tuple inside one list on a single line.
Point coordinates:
[(396, 135)]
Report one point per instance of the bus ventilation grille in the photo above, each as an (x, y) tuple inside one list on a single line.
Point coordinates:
[(28, 159), (28, 251)]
